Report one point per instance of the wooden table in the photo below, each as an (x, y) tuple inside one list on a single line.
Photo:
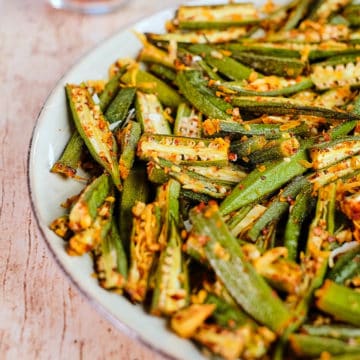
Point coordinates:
[(42, 315)]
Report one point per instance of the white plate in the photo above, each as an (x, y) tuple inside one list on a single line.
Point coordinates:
[(49, 190)]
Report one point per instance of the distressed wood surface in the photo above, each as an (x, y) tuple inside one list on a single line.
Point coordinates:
[(42, 316)]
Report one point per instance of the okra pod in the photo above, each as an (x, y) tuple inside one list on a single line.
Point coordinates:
[(163, 72), (118, 108), (150, 114), (94, 130), (340, 301), (242, 281), (263, 181), (183, 150), (285, 106), (298, 213), (201, 103), (187, 122), (216, 16), (111, 260), (69, 160), (227, 66), (136, 188), (343, 332), (244, 147), (278, 206), (144, 247), (311, 346), (128, 138), (171, 291), (214, 127)]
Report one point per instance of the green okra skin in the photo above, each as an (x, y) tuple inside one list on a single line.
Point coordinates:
[(346, 267), (163, 72), (297, 215), (342, 129), (216, 16), (136, 188), (203, 104), (323, 9), (339, 301), (261, 49), (188, 122), (334, 172), (171, 291), (150, 114), (193, 181), (278, 206), (350, 356), (352, 14), (271, 65), (147, 82), (111, 260), (184, 150), (69, 160), (336, 331), (118, 108), (285, 89), (233, 221), (262, 182), (84, 211), (227, 66), (245, 285), (285, 106), (311, 346), (210, 71), (111, 89), (275, 149), (243, 148), (129, 137), (214, 127), (94, 130), (328, 153)]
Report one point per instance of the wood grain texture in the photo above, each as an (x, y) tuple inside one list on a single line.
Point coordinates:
[(42, 316)]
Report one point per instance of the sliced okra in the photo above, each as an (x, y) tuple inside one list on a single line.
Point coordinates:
[(297, 14), (340, 301), (183, 150), (239, 277), (128, 138), (336, 331), (69, 160), (144, 247), (94, 130), (111, 260), (325, 8), (90, 237), (153, 54), (171, 291), (277, 207), (339, 71), (210, 105), (85, 209), (150, 114), (283, 106), (264, 180), (227, 66), (311, 32), (215, 16), (352, 14), (330, 152), (271, 65), (193, 181), (215, 127), (267, 86), (187, 122), (118, 108)]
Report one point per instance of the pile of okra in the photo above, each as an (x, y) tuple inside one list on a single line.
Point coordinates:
[(223, 189)]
